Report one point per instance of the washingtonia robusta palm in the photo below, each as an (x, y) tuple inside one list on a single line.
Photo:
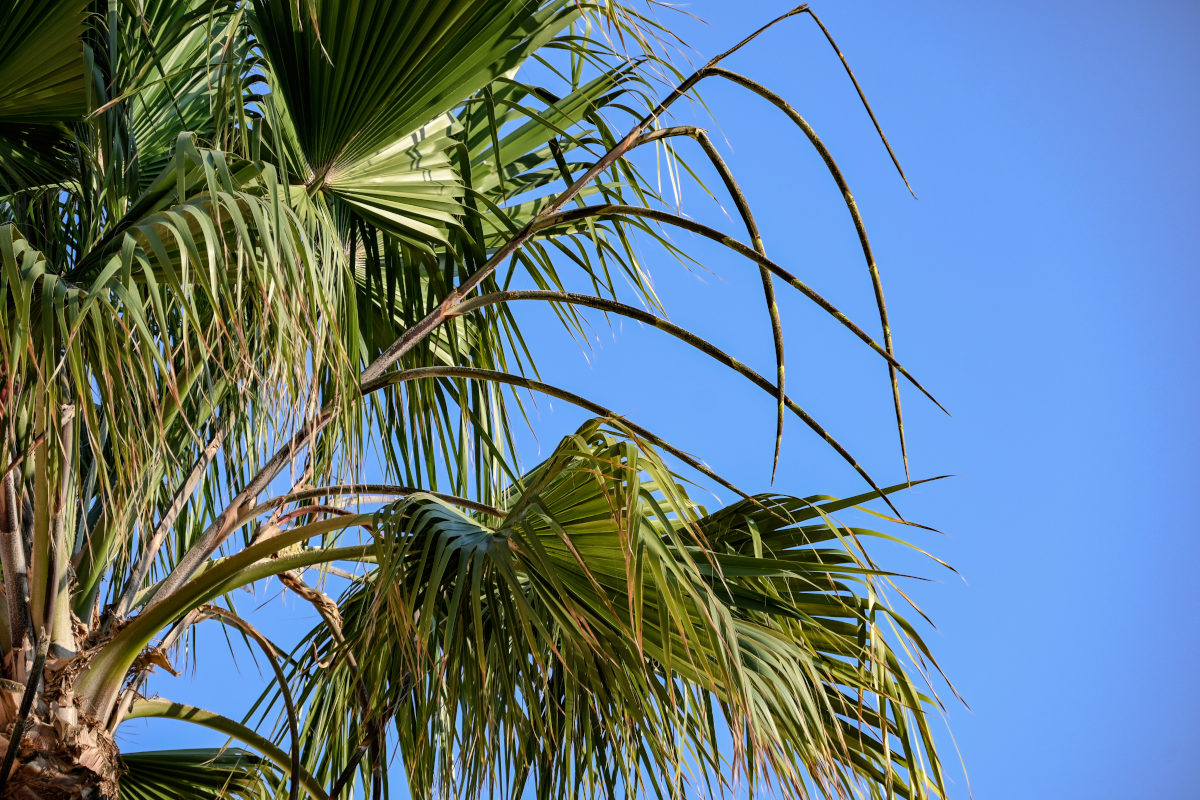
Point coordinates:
[(248, 249)]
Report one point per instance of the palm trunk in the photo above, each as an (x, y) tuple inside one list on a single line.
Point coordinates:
[(12, 558), (51, 749), (56, 759)]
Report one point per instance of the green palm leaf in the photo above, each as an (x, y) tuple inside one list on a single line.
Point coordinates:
[(41, 88), (41, 70), (596, 636), (204, 774)]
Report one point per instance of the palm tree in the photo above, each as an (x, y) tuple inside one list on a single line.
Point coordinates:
[(257, 263)]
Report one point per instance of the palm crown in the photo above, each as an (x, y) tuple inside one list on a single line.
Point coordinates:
[(243, 246)]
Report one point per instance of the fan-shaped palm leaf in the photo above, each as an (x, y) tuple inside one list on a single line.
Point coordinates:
[(601, 629), (202, 774)]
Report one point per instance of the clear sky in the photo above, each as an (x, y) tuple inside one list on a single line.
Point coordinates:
[(1043, 287)]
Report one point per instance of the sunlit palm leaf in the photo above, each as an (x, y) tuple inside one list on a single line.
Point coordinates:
[(596, 637)]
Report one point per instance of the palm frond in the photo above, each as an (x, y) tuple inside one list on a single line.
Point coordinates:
[(595, 638), (203, 774), (42, 89)]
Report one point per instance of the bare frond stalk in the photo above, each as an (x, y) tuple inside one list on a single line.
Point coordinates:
[(475, 373), (666, 217), (131, 693), (632, 312), (423, 328), (859, 226), (58, 606), (16, 569), (198, 716), (228, 520), (369, 489), (328, 609), (224, 526), (862, 96), (272, 655), (743, 208), (150, 550), (347, 774)]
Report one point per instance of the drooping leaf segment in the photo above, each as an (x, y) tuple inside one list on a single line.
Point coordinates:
[(253, 251)]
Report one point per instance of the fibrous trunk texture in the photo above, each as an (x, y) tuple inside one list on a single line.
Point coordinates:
[(64, 753)]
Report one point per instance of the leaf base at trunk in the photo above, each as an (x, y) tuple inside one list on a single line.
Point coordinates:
[(64, 754)]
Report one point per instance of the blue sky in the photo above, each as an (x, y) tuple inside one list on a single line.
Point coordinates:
[(1042, 286)]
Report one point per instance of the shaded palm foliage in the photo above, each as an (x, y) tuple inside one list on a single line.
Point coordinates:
[(252, 252)]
